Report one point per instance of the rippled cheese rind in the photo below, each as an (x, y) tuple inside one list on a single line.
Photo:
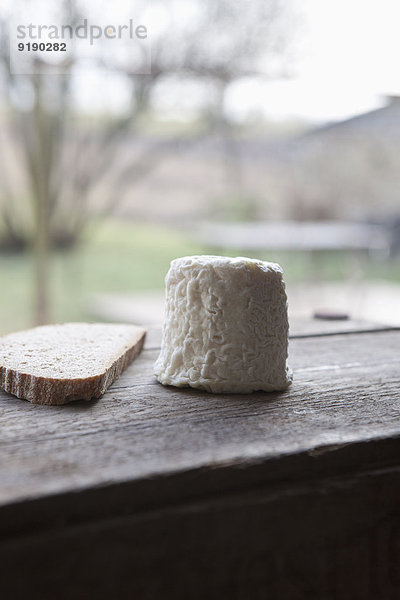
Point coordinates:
[(225, 326)]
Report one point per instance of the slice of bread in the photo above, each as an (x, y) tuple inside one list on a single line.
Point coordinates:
[(56, 364)]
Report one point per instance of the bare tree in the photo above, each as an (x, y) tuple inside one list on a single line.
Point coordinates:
[(64, 161)]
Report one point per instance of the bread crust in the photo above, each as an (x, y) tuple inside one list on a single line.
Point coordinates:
[(56, 390)]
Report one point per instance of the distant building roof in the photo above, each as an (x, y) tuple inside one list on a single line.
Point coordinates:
[(384, 120)]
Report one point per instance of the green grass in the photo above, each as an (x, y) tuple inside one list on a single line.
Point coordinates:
[(114, 257), (126, 257), (120, 256)]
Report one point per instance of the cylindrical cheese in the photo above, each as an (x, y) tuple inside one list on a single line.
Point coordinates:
[(225, 326)]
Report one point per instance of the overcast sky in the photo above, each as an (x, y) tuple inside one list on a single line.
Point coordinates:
[(345, 59)]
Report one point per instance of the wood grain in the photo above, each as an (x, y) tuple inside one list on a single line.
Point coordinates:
[(326, 540), (306, 327), (161, 492), (346, 389)]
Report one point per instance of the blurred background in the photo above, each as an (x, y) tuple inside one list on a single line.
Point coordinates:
[(266, 128)]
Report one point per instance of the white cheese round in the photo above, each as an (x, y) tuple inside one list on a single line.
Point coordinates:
[(225, 326)]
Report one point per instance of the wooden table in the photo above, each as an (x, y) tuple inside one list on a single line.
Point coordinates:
[(156, 492)]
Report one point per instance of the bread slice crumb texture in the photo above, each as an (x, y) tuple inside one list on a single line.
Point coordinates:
[(55, 364)]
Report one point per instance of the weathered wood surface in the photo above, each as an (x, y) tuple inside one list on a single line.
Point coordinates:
[(328, 539), (346, 389), (306, 327), (163, 493)]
